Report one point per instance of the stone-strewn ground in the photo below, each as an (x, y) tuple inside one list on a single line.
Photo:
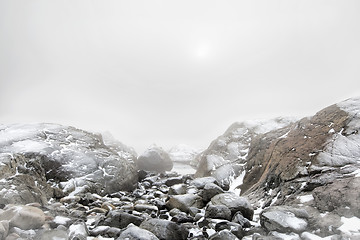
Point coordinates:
[(281, 179)]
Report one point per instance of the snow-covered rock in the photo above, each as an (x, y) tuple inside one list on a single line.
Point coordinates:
[(226, 156), (284, 219), (234, 203), (183, 153), (184, 202), (69, 158)]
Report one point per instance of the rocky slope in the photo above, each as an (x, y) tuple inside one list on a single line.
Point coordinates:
[(311, 164)]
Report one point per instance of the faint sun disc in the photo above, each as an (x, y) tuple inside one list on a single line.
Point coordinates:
[(202, 51)]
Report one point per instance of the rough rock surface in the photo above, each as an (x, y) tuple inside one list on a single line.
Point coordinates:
[(234, 203), (341, 196), (312, 163), (31, 155), (218, 212), (284, 219)]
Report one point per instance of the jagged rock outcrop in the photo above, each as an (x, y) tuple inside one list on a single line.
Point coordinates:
[(312, 163), (41, 161), (226, 156)]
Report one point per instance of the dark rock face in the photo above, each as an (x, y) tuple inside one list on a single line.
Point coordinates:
[(32, 154), (278, 159), (155, 159), (342, 196)]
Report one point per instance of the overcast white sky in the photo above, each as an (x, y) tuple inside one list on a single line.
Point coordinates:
[(170, 72)]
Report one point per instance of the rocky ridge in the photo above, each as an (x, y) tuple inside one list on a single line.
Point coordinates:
[(311, 164)]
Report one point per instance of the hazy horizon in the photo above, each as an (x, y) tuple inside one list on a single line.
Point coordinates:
[(169, 72)]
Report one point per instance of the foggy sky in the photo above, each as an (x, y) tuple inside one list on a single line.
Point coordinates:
[(170, 72)]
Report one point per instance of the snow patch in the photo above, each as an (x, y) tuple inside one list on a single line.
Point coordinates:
[(311, 236), (350, 225), (28, 145), (235, 183), (261, 126), (305, 198)]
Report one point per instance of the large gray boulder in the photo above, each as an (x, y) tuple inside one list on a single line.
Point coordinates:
[(120, 219), (155, 159), (69, 158), (284, 219), (184, 202), (164, 229), (23, 217), (133, 232), (218, 212), (234, 203)]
